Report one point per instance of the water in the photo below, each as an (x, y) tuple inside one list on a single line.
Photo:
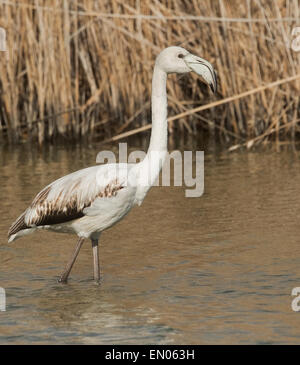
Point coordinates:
[(212, 270)]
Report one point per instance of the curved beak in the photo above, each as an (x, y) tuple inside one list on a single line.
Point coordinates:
[(202, 68)]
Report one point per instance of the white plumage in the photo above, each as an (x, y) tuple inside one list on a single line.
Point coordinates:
[(69, 203), (88, 201)]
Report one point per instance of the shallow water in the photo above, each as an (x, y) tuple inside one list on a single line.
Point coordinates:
[(218, 269)]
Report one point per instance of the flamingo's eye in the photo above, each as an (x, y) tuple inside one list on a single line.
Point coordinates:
[(180, 55)]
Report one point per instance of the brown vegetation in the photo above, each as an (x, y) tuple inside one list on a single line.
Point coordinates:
[(84, 67)]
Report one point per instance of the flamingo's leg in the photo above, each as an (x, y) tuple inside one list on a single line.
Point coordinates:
[(96, 260), (64, 276)]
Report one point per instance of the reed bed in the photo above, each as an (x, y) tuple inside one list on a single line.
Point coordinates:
[(83, 68)]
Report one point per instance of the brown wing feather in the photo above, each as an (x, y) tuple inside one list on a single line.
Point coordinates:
[(49, 212), (64, 210), (60, 210), (18, 225)]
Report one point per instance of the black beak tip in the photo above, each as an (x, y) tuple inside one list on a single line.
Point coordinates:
[(214, 83), (213, 88)]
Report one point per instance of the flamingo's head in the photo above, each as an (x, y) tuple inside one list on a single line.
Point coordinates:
[(179, 60)]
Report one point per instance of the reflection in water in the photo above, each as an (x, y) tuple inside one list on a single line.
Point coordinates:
[(216, 269)]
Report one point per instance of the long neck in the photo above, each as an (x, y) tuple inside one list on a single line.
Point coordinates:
[(159, 133), (152, 164)]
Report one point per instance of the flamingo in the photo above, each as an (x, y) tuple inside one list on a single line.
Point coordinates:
[(88, 201)]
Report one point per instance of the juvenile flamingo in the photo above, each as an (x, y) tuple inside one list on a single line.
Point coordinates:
[(88, 201)]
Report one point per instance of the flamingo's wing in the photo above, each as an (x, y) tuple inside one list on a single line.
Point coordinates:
[(66, 198)]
